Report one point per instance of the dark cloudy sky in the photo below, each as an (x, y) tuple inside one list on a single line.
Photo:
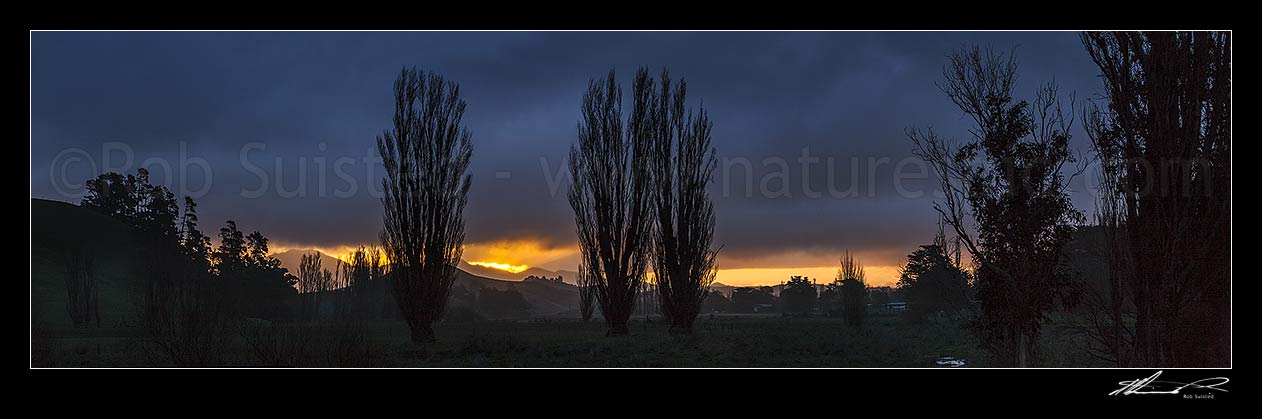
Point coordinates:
[(256, 108)]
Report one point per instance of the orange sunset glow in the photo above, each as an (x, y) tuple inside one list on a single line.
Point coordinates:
[(502, 266), (516, 256), (520, 253), (341, 252), (877, 276)]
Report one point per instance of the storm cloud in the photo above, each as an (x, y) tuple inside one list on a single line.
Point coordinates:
[(276, 130)]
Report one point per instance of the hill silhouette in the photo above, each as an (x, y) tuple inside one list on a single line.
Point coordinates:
[(546, 298), (568, 277), (290, 259), (59, 227)]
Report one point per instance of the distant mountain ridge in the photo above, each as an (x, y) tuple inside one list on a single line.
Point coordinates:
[(292, 258), (568, 277), (545, 297)]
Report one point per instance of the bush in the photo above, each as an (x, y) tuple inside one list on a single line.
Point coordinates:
[(186, 323), (339, 344), (347, 345), (279, 346)]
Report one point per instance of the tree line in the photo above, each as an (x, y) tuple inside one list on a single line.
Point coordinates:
[(934, 282), (189, 296)]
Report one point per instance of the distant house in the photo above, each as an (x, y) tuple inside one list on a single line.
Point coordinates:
[(764, 308), (895, 306)]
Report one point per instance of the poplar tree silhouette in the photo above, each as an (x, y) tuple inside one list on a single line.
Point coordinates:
[(426, 156), (1164, 141), (682, 164), (611, 195)]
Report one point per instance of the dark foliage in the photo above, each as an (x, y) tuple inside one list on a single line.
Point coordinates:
[(149, 208), (749, 299), (798, 296), (682, 164), (82, 294), (188, 298), (258, 285), (274, 346), (186, 314), (610, 195), (852, 287), (934, 282), (830, 304), (426, 156), (1164, 141), (312, 283), (1007, 185), (716, 302), (586, 293)]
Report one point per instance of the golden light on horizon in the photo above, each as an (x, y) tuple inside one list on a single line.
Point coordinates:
[(502, 266), (516, 256), (741, 277), (521, 253), (341, 253)]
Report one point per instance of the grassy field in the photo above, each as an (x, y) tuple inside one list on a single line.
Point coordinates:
[(721, 342), (739, 341)]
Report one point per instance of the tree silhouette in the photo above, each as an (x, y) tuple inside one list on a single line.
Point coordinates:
[(1164, 141), (852, 286), (258, 285), (195, 244), (830, 303), (933, 281), (586, 293), (188, 296), (426, 155), (682, 164), (230, 255), (745, 299), (186, 313), (113, 194), (133, 200), (798, 296), (1008, 182), (82, 293), (310, 285), (361, 279), (716, 302), (379, 290), (610, 194)]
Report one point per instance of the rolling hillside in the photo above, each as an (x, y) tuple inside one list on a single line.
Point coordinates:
[(568, 277), (546, 298), (59, 227)]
